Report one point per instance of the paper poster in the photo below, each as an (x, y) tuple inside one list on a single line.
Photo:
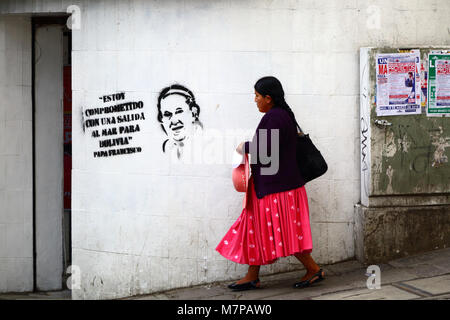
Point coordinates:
[(439, 85), (398, 83), (424, 83)]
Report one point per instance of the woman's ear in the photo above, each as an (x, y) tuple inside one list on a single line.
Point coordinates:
[(268, 99)]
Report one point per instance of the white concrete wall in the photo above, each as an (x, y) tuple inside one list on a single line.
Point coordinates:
[(16, 229), (143, 224)]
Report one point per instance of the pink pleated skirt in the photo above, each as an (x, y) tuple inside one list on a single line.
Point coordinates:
[(269, 228)]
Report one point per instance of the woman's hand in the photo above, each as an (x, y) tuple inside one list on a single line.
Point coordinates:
[(240, 148)]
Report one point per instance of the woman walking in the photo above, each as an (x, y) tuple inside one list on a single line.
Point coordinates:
[(275, 221)]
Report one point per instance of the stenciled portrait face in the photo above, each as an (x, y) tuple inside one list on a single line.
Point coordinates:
[(178, 114), (177, 119)]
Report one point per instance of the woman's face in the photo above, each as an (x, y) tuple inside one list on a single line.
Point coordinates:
[(264, 103)]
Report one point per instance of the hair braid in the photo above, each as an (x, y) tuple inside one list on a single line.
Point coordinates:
[(280, 102)]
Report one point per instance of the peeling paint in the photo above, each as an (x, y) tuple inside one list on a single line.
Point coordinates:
[(391, 147), (439, 158), (404, 143), (390, 174)]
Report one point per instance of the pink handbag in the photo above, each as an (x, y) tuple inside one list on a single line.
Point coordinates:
[(240, 176)]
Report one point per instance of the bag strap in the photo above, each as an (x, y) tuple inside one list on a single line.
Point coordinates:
[(246, 169), (247, 178), (298, 127)]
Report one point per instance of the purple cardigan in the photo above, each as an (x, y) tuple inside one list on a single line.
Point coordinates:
[(288, 176)]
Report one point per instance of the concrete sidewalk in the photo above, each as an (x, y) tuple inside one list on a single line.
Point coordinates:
[(424, 276), (420, 277)]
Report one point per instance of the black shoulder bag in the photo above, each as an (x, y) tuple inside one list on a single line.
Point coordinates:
[(309, 159)]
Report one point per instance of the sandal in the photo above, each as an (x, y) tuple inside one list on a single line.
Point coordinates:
[(317, 277), (245, 286)]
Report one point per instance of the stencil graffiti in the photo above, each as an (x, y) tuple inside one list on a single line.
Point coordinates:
[(114, 125), (178, 113)]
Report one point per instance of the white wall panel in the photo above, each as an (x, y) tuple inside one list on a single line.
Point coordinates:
[(16, 247)]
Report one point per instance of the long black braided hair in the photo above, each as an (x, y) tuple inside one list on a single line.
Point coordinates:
[(272, 87)]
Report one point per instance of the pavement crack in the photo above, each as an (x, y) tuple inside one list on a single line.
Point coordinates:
[(411, 289)]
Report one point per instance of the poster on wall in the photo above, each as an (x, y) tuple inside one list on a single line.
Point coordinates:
[(439, 85), (424, 84), (398, 83)]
